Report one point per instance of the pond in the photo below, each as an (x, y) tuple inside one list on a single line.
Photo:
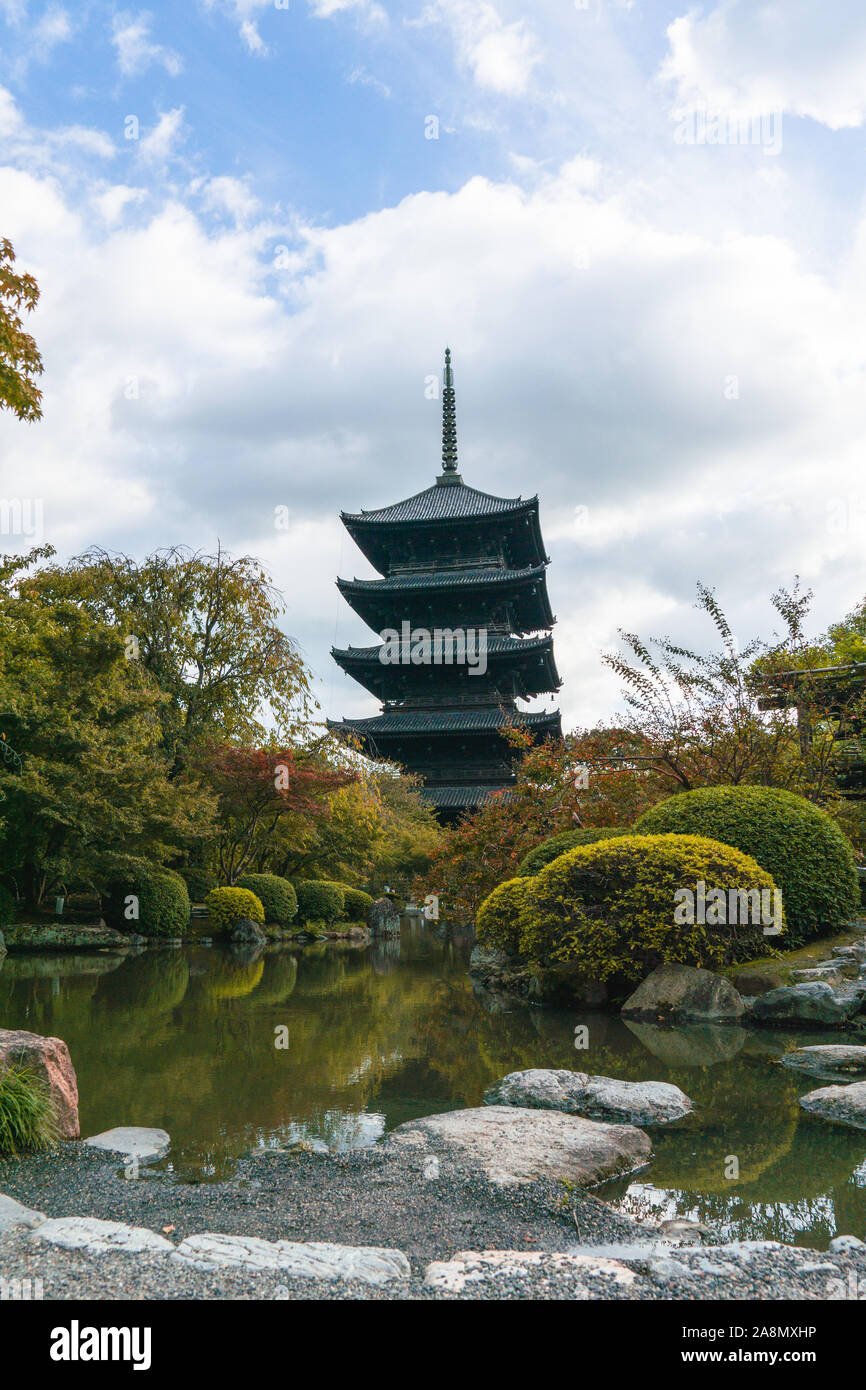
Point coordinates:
[(381, 1033)]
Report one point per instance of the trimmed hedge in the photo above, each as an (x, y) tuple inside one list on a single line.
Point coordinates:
[(276, 895), (803, 848), (611, 908), (319, 900), (229, 905), (162, 903), (199, 881), (551, 849), (7, 906), (356, 902)]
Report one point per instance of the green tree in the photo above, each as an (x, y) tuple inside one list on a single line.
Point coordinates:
[(20, 360)]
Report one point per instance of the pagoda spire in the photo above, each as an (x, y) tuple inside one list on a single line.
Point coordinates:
[(449, 424)]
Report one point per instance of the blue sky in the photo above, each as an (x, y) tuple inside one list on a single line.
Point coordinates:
[(640, 227)]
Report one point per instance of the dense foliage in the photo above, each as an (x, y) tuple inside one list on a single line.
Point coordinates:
[(499, 922), (610, 908), (276, 895), (229, 905), (199, 881), (7, 906), (801, 846), (27, 1119), (551, 849), (149, 900), (319, 901), (355, 903), (20, 360)]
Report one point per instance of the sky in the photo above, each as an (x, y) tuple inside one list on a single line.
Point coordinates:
[(638, 224)]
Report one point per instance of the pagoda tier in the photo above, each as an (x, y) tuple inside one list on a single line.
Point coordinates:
[(455, 563), (516, 668)]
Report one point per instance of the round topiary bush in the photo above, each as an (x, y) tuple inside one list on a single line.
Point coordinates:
[(622, 906), (150, 900), (276, 895), (229, 905), (355, 903), (499, 920), (551, 849), (803, 848), (7, 906), (199, 881), (319, 901)]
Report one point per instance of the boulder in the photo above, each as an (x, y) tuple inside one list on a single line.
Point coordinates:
[(815, 1001), (512, 1144), (841, 1105), (383, 919), (830, 974), (49, 1059), (133, 1141), (827, 1060), (596, 1097), (13, 1214), (65, 936), (496, 1270), (246, 932), (674, 992), (368, 1264), (97, 1237)]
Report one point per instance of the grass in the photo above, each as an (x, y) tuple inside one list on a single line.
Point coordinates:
[(27, 1120)]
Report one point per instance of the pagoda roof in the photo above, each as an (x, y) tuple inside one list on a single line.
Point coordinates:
[(449, 499), (442, 579), (450, 722), (533, 656), (463, 798), (496, 646)]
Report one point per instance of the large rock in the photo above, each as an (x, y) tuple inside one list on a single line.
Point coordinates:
[(496, 1270), (133, 1141), (383, 919), (49, 1059), (827, 1060), (597, 1097), (841, 1105), (13, 1213), (246, 932), (674, 992), (515, 1144), (813, 1002), (65, 936), (97, 1237), (369, 1264)]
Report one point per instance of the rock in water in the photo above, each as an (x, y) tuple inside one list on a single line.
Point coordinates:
[(246, 932), (597, 1097), (813, 1002), (48, 1058), (512, 1144), (133, 1142), (841, 1105), (675, 992), (383, 919), (827, 1060)]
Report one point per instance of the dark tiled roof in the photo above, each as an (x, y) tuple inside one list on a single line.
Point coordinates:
[(458, 798), (443, 579), (496, 646), (446, 721), (443, 502)]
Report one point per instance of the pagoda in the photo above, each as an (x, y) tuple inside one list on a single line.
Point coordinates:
[(464, 620)]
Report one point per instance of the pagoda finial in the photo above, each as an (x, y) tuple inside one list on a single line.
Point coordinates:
[(449, 425)]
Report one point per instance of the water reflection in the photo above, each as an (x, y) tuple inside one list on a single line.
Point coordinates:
[(381, 1033)]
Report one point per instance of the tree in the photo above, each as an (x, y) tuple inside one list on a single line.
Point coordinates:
[(20, 360)]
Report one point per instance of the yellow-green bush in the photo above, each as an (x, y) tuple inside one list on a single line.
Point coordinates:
[(228, 905), (611, 907), (544, 854)]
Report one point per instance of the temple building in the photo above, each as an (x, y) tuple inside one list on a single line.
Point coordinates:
[(464, 619)]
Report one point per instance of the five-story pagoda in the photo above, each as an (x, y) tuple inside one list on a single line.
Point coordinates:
[(463, 583)]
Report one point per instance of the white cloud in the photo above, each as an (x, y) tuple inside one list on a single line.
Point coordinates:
[(136, 52), (160, 144), (501, 56), (755, 56)]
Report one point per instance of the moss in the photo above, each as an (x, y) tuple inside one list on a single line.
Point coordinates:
[(802, 847), (544, 854)]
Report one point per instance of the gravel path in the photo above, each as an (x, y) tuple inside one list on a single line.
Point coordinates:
[(373, 1197)]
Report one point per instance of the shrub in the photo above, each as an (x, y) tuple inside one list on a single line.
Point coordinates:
[(7, 906), (318, 900), (551, 849), (199, 881), (162, 902), (803, 848), (499, 919), (276, 895), (229, 905), (356, 902), (27, 1119), (612, 907)]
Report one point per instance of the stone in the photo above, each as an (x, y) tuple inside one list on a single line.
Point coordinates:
[(840, 1245), (513, 1144), (830, 973), (597, 1097), (840, 1105), (827, 1060), (473, 1269), (49, 1059), (13, 1214), (63, 936), (674, 992), (812, 1002), (133, 1141), (96, 1237), (368, 1264), (246, 932), (383, 919)]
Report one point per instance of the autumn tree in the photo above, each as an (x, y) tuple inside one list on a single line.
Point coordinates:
[(20, 360)]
